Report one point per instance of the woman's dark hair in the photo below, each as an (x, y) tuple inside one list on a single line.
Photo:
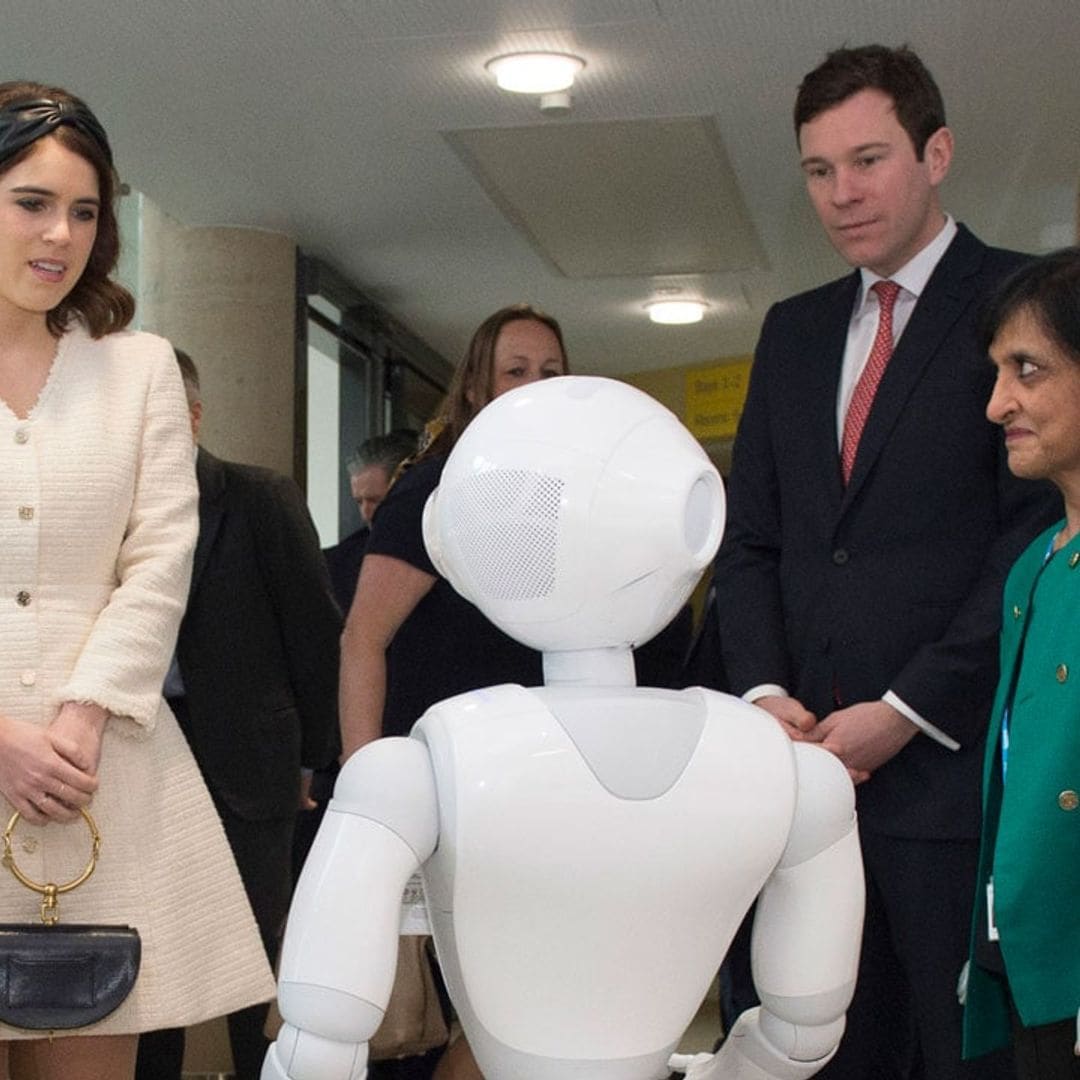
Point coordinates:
[(899, 73), (101, 304), (1048, 288), (473, 384)]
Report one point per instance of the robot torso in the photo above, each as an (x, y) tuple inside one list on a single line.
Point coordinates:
[(595, 846)]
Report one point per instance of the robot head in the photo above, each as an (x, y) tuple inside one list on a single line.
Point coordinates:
[(575, 513)]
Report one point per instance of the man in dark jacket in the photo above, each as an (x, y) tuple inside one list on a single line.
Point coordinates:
[(254, 687), (872, 520)]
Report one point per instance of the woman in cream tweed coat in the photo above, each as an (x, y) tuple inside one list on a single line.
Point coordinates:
[(97, 525)]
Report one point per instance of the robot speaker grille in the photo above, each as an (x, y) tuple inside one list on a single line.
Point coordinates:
[(507, 522)]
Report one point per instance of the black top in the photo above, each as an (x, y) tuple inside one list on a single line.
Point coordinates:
[(661, 661), (446, 646)]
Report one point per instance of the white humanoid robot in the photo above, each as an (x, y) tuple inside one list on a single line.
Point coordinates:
[(588, 848)]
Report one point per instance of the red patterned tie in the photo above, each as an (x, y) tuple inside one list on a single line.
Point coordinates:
[(866, 387)]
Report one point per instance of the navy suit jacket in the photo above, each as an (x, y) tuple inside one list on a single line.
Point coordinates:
[(893, 582), (259, 644)]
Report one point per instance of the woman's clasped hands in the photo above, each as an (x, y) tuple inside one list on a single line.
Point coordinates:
[(50, 774)]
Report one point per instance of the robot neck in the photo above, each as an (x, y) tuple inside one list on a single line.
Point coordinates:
[(590, 667)]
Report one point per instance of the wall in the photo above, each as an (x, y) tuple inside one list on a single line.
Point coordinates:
[(669, 387)]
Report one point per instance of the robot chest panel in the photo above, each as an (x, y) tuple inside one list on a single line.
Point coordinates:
[(560, 892)]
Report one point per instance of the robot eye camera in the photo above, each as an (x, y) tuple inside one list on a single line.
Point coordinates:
[(576, 513)]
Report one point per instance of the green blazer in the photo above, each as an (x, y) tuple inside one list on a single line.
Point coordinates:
[(1031, 823)]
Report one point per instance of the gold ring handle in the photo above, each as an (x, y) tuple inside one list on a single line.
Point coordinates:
[(49, 892)]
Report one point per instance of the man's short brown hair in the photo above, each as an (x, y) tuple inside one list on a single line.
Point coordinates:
[(899, 73)]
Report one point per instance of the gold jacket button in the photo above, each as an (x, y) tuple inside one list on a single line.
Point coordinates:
[(1068, 800), (1062, 672)]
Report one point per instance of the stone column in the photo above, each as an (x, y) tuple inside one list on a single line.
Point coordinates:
[(226, 296)]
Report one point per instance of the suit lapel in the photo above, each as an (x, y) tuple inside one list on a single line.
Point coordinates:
[(943, 301), (211, 477), (823, 384)]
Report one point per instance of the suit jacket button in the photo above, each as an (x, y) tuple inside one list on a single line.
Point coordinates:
[(1074, 558), (1062, 672), (1016, 611), (839, 557), (1068, 800), (22, 598)]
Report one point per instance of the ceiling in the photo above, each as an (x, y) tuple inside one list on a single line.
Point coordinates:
[(369, 131)]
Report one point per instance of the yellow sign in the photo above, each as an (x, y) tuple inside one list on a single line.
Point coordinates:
[(715, 397)]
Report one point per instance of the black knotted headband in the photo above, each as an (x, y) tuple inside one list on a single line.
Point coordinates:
[(24, 122)]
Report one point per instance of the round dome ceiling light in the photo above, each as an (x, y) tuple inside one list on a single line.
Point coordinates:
[(676, 312), (535, 72)]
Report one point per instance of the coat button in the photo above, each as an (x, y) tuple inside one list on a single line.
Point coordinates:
[(28, 678), (1074, 559), (22, 598), (22, 435), (1016, 611), (839, 557), (26, 513), (1062, 672), (1068, 800)]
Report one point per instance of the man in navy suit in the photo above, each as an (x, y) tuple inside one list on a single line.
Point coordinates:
[(871, 523)]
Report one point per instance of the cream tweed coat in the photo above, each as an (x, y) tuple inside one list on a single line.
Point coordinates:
[(97, 526)]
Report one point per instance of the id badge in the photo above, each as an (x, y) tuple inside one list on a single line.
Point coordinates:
[(414, 911), (991, 926)]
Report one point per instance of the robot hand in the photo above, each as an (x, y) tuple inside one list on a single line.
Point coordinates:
[(749, 1054), (689, 1064), (300, 1055)]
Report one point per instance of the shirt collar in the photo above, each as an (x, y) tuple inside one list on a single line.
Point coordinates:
[(913, 275)]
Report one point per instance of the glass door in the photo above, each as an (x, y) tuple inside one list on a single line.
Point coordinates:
[(359, 373)]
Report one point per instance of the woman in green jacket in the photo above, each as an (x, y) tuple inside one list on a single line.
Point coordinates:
[(1024, 972)]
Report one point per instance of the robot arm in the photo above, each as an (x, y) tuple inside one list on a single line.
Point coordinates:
[(340, 949), (807, 933)]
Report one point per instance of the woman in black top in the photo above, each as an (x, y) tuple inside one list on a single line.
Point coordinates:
[(410, 640)]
